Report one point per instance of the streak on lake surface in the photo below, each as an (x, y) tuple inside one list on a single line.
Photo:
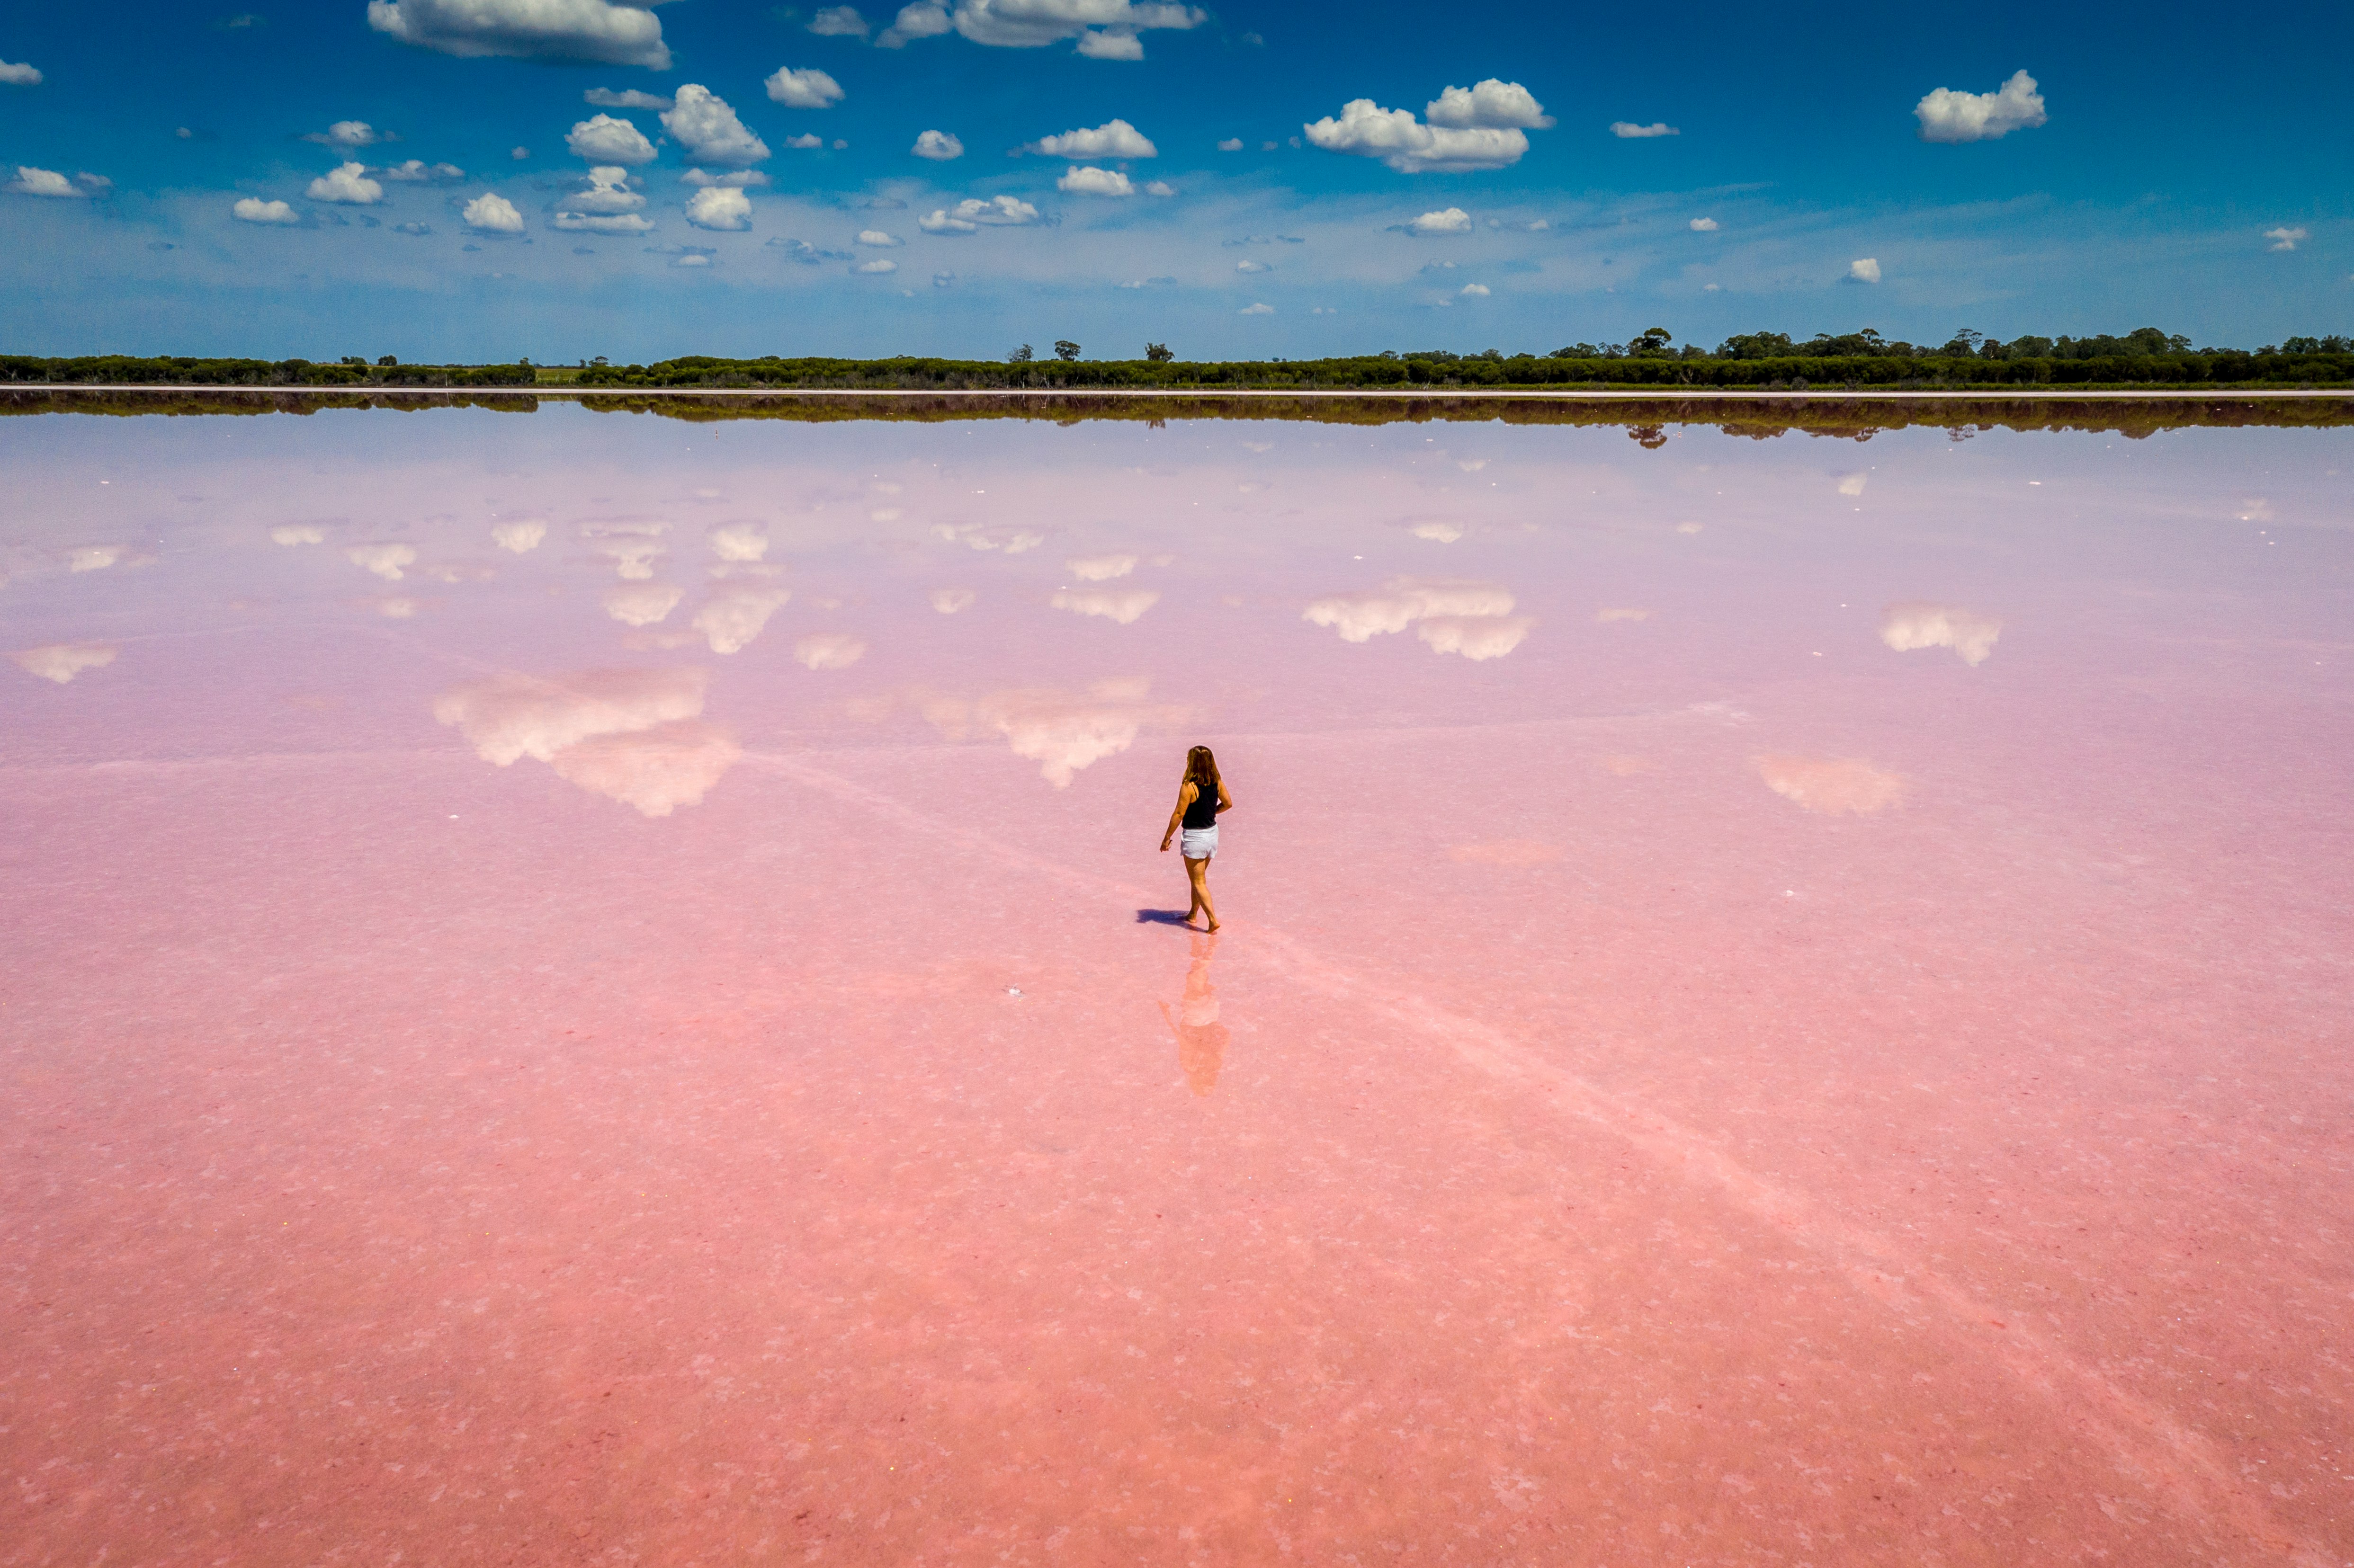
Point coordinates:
[(597, 987)]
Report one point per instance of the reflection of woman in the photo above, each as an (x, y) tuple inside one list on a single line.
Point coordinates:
[(1200, 798), (1201, 1038)]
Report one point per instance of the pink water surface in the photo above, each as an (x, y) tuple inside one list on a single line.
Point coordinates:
[(1829, 1044)]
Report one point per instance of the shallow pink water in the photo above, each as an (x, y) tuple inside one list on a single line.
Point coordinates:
[(1829, 1044)]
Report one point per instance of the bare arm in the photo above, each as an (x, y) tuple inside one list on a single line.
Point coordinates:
[(1225, 802), (1185, 794)]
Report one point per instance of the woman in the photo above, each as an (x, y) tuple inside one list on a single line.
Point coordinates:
[(1200, 798)]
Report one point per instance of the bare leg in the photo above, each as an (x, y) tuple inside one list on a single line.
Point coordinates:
[(1198, 873)]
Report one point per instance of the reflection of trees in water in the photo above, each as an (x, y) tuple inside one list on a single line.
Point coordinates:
[(1201, 1038)]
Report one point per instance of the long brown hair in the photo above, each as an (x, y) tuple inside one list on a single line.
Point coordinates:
[(1202, 770)]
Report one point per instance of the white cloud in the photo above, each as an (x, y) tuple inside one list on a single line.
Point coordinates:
[(1491, 103), (938, 145), (1852, 483), (1473, 291), (608, 191), (1158, 188), (807, 87), (1864, 269), (949, 600), (1089, 180), (738, 542), (518, 154), (2284, 238), (729, 620), (1454, 606), (656, 771), (493, 214), (297, 534), (1012, 538), (838, 22), (19, 75), (1626, 130), (509, 717), (877, 238), (61, 661), (1111, 44), (348, 184), (94, 557), (642, 604), (1106, 29), (1100, 568), (603, 139), (877, 267), (417, 171), (1950, 116), (606, 98), (520, 536), (923, 19), (1475, 637), (43, 183), (804, 142), (972, 213), (628, 735), (1120, 609), (1253, 267), (944, 279), (1063, 732), (1113, 138), (829, 650), (1703, 226), (1446, 220), (1905, 626), (1231, 144), (708, 129), (719, 206), (1261, 309), (249, 210), (349, 133), (601, 222), (632, 547), (385, 560), (740, 179), (1832, 786), (1406, 144), (596, 30)]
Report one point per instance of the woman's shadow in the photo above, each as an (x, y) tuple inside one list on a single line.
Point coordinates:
[(1164, 917)]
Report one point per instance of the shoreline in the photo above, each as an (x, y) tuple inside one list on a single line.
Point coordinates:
[(1615, 395)]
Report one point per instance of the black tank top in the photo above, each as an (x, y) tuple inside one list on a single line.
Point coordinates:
[(1203, 812)]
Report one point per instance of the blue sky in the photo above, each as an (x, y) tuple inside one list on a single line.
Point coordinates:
[(2164, 165)]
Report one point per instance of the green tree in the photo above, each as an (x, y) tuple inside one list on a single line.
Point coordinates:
[(1019, 356), (1654, 340), (1158, 353), (1066, 349)]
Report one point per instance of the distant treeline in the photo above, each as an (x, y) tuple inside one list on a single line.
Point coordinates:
[(138, 370), (1757, 361), (1645, 418)]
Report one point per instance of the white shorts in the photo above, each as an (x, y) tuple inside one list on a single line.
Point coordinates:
[(1198, 843)]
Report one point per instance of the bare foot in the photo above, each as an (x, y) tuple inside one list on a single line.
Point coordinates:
[(1213, 925)]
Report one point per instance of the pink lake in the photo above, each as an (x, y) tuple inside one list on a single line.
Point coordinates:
[(592, 988)]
